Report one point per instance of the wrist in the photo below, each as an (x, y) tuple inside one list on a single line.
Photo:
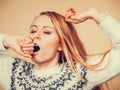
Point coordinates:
[(5, 41), (99, 17)]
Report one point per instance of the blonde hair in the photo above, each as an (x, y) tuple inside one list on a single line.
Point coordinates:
[(73, 49)]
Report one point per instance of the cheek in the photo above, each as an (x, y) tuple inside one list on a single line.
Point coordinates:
[(51, 46), (51, 42), (47, 52)]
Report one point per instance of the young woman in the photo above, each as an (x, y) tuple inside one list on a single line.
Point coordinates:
[(59, 59)]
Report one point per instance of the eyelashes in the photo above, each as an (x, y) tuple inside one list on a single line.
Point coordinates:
[(33, 31), (45, 32)]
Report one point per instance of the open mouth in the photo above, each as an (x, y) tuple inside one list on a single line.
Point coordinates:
[(36, 48)]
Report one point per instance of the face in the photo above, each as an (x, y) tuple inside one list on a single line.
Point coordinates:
[(45, 36)]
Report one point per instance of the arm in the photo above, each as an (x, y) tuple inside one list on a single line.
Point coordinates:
[(2, 48), (111, 63), (112, 28), (19, 44)]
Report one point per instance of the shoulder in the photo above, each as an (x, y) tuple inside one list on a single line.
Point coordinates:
[(8, 68)]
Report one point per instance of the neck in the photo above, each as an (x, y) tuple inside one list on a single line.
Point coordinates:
[(47, 63)]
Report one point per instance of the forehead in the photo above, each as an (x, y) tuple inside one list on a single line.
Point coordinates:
[(42, 20)]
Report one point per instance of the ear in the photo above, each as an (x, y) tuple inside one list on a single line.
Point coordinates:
[(60, 47)]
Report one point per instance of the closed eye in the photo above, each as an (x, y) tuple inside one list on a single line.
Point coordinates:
[(47, 32), (33, 29), (33, 32)]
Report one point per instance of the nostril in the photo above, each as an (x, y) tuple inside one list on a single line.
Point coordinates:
[(38, 37)]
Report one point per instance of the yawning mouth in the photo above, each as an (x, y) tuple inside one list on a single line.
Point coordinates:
[(36, 48)]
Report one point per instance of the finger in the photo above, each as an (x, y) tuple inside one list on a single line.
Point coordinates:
[(68, 13), (28, 45), (81, 15), (27, 40), (67, 17), (28, 52), (73, 10), (25, 55), (76, 21), (28, 49)]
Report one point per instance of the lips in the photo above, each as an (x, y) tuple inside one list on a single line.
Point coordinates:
[(35, 51)]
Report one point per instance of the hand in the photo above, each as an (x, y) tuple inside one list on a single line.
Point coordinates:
[(78, 16), (21, 45)]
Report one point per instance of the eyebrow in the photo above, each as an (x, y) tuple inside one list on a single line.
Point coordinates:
[(42, 27), (48, 27), (33, 26)]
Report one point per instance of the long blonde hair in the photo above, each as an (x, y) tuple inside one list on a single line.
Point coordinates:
[(73, 48)]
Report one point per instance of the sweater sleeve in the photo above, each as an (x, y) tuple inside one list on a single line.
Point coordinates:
[(110, 67), (5, 70), (2, 48), (5, 66)]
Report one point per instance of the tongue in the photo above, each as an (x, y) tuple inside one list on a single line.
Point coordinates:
[(36, 48)]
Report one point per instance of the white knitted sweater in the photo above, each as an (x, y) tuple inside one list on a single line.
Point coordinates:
[(16, 74)]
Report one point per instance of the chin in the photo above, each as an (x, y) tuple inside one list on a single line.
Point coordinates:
[(34, 59), (37, 60)]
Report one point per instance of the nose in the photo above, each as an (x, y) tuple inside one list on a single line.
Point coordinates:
[(35, 36)]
